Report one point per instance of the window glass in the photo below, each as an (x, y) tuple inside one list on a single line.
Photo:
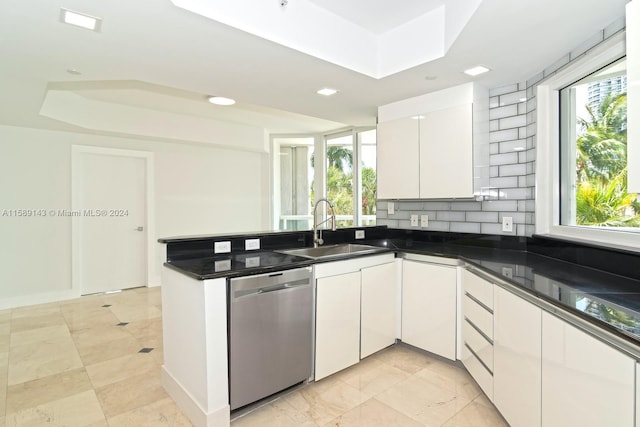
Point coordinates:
[(593, 143), (339, 180), (295, 165), (368, 179)]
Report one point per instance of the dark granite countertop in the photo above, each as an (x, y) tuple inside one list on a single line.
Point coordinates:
[(603, 298)]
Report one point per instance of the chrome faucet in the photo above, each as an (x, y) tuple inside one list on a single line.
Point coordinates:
[(317, 234)]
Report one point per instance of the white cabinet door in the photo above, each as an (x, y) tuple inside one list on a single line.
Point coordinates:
[(398, 161), (337, 323), (378, 308), (584, 381), (517, 359), (429, 307), (633, 95), (446, 153)]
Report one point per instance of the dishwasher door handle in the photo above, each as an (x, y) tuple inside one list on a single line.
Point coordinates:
[(269, 289)]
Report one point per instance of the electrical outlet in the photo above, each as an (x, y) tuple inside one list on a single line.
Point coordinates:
[(390, 208), (507, 224), (414, 220), (359, 234), (507, 272), (251, 244), (222, 247), (424, 221)]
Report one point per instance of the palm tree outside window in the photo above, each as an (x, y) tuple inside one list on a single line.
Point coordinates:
[(594, 153)]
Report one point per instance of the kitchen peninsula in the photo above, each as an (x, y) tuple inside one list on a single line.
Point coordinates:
[(567, 285)]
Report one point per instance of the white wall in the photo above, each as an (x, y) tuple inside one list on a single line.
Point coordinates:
[(199, 189)]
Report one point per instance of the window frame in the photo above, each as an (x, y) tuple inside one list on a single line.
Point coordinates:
[(548, 167)]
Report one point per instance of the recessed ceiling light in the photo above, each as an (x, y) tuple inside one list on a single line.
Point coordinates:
[(221, 100), (73, 71), (478, 69), (420, 117), (430, 77), (327, 91), (80, 19)]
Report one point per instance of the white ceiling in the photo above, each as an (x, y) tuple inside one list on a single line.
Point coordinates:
[(153, 55), (378, 16)]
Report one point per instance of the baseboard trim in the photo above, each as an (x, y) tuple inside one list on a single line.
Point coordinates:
[(198, 416)]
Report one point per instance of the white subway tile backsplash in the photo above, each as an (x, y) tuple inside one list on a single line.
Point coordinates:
[(513, 170), (487, 228), (494, 149), (465, 227), (586, 45), (503, 90), (512, 146), (438, 225), (482, 217), (503, 135), (513, 97), (494, 171), (513, 122), (503, 159), (400, 214), (449, 216), (502, 112), (494, 125), (557, 65), (500, 206), (409, 206), (466, 206), (437, 206), (494, 101), (505, 182)]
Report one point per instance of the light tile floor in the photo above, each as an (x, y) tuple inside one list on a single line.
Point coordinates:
[(75, 363)]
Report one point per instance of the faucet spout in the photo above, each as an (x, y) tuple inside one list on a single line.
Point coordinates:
[(317, 234)]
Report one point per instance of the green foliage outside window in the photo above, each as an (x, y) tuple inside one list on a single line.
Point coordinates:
[(601, 167)]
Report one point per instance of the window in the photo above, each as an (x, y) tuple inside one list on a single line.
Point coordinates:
[(593, 143), (294, 162), (581, 151), (345, 175)]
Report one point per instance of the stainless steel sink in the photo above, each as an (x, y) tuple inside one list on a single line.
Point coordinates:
[(333, 251)]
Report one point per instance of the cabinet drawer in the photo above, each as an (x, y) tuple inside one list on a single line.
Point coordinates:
[(478, 315), (479, 344), (478, 372), (479, 288)]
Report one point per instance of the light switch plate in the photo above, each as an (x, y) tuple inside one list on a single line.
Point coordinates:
[(507, 224), (424, 221), (414, 220), (251, 244), (359, 234), (390, 208), (222, 247)]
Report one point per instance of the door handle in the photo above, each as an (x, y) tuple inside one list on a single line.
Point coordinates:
[(140, 228)]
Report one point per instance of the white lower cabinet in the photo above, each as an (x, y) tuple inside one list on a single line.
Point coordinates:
[(378, 308), (477, 330), (584, 381), (337, 323), (517, 343), (429, 307)]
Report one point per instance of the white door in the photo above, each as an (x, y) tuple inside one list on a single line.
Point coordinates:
[(110, 214)]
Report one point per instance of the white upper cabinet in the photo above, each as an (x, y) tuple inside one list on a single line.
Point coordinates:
[(398, 169), (446, 153), (633, 96), (434, 146)]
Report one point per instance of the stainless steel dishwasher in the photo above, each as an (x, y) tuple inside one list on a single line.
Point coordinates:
[(270, 334)]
